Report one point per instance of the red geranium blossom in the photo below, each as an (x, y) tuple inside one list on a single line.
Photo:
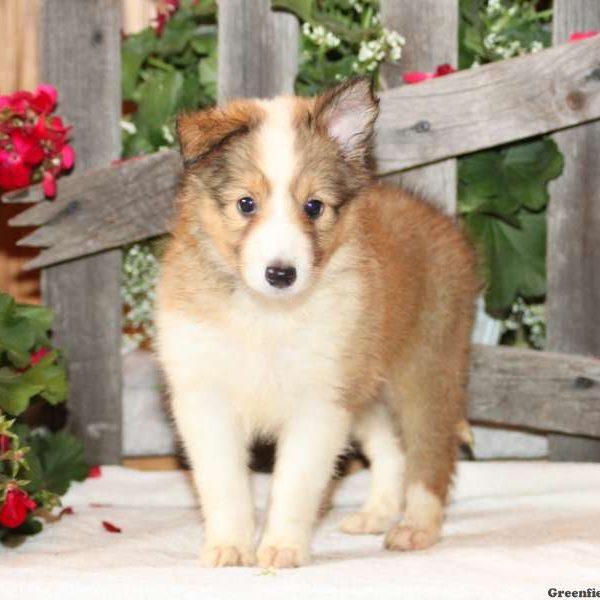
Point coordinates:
[(418, 76), (37, 356), (33, 142), (15, 507)]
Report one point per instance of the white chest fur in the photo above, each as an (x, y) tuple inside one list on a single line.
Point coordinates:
[(264, 359)]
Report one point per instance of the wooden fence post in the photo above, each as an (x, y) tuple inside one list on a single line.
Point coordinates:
[(431, 31), (81, 56), (258, 50), (573, 260)]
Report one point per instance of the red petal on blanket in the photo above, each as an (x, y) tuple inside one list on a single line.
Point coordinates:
[(95, 472), (110, 527), (67, 510)]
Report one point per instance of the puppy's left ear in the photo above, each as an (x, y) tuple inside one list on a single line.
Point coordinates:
[(347, 114)]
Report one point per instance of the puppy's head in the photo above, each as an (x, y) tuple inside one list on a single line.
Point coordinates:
[(268, 182)]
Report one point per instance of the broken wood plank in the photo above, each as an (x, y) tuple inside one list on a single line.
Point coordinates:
[(105, 210)]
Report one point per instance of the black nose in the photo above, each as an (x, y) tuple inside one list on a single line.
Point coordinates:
[(279, 276)]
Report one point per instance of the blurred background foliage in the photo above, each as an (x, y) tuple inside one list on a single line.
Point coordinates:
[(502, 192)]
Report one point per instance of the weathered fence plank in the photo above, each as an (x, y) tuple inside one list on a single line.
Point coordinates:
[(258, 50), (431, 31), (574, 236), (136, 203), (489, 105), (545, 391), (80, 53)]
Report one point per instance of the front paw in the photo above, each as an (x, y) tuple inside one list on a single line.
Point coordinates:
[(406, 537), (215, 555), (281, 556)]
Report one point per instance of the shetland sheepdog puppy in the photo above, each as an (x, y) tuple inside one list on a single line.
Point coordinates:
[(303, 301)]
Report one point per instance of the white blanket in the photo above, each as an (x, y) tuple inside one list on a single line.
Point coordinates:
[(514, 530)]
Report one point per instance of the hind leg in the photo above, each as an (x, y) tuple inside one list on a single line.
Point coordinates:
[(430, 402), (376, 434)]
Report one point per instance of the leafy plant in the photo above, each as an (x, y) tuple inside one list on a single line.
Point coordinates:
[(503, 192), (492, 30), (340, 39), (165, 72), (36, 468)]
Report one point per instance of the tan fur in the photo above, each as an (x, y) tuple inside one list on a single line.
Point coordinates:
[(395, 278)]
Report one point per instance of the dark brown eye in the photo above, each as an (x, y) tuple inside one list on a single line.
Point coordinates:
[(246, 205), (314, 208)]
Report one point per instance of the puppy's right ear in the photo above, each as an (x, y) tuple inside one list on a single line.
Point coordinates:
[(203, 133)]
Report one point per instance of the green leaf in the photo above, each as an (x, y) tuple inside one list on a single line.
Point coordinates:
[(159, 100), (39, 316), (500, 181), (178, 32), (207, 73), (134, 51), (15, 395), (50, 378), (204, 44), (529, 167), (54, 461), (514, 257), (301, 8)]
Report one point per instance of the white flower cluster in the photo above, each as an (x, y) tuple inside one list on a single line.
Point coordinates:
[(499, 43), (356, 6), (506, 48), (320, 36), (530, 317), (128, 127), (140, 271), (388, 46)]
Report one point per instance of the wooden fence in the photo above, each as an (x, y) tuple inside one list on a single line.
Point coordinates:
[(420, 132)]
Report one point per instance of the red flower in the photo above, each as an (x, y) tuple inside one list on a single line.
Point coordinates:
[(44, 99), (14, 173), (49, 184), (67, 157), (27, 146), (37, 356), (17, 103), (33, 143), (444, 69), (94, 472), (4, 444), (577, 36), (15, 508), (418, 76)]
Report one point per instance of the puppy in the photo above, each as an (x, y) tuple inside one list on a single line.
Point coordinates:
[(302, 300)]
